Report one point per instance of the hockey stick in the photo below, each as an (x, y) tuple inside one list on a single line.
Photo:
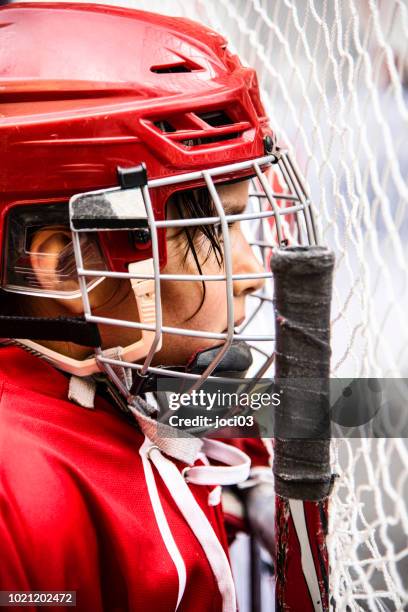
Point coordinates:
[(303, 282)]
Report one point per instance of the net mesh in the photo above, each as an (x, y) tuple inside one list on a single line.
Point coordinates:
[(334, 77)]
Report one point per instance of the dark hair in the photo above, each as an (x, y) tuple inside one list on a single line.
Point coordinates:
[(193, 204)]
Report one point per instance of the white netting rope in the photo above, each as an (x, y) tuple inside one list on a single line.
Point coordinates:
[(334, 75)]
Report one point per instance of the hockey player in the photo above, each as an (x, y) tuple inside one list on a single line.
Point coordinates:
[(128, 142)]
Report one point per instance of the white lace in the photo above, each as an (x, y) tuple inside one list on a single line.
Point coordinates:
[(236, 470)]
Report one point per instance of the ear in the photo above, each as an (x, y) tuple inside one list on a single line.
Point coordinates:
[(46, 248)]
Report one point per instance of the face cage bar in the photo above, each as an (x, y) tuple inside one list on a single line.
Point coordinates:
[(306, 235)]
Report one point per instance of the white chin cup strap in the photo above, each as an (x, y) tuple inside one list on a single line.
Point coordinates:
[(145, 300)]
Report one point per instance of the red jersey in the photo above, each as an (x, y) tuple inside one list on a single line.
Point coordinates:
[(83, 508)]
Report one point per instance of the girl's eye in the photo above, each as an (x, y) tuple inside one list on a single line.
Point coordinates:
[(231, 224)]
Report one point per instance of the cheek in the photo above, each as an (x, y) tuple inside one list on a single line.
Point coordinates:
[(213, 309), (181, 304), (180, 301)]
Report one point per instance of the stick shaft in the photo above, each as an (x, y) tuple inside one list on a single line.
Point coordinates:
[(303, 282)]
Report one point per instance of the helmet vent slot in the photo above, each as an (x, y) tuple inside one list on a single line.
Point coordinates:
[(179, 64), (165, 126), (203, 127), (170, 69), (216, 118), (195, 142)]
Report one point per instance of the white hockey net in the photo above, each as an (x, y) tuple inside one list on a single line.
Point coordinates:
[(334, 76)]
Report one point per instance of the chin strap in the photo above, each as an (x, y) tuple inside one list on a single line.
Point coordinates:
[(42, 328)]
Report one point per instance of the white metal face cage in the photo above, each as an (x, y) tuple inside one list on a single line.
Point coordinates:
[(285, 201)]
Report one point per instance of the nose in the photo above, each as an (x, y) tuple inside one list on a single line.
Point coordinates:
[(245, 262)]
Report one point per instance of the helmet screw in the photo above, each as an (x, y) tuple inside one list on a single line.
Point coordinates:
[(142, 235), (269, 145)]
